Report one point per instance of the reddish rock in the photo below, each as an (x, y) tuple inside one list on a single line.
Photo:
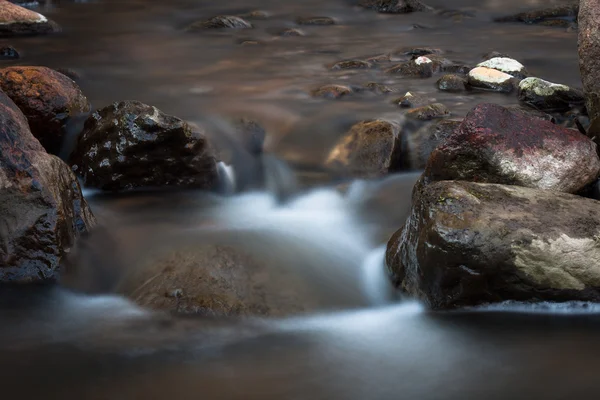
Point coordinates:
[(589, 60), (496, 145), (19, 21), (42, 209), (47, 98)]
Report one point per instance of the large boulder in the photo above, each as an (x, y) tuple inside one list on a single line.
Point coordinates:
[(47, 98), (589, 60), (496, 145), (42, 210), (130, 145), (19, 21), (547, 96), (467, 243), (370, 149)]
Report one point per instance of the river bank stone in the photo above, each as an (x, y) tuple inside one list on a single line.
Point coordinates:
[(411, 99), (429, 112), (369, 149), (47, 98), (548, 96), (130, 145), (496, 145), (394, 6), (19, 21), (467, 244), (507, 65), (490, 79), (451, 83), (42, 210), (220, 22)]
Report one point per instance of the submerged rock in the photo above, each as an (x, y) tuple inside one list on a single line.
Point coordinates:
[(545, 15), (47, 98), (378, 88), (506, 65), (490, 79), (422, 67), (130, 145), (496, 145), (220, 22), (315, 21), (429, 112), (42, 210), (370, 148), (9, 53), (19, 21), (290, 32), (412, 100), (332, 91), (423, 141), (394, 6), (548, 96), (451, 83), (589, 62), (350, 64), (467, 244)]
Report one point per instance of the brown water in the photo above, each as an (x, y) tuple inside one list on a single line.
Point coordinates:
[(59, 345)]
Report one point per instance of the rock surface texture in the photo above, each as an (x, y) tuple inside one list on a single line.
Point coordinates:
[(589, 61), (547, 96), (47, 98), (19, 21), (42, 210), (496, 145), (130, 145), (468, 244)]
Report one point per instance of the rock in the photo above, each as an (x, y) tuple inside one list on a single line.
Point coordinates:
[(451, 83), (412, 100), (494, 54), (19, 21), (394, 6), (548, 96), (490, 79), (532, 112), (369, 149), (47, 98), (251, 133), (215, 281), (69, 73), (220, 22), (506, 65), (422, 67), (130, 145), (315, 21), (255, 14), (9, 53), (291, 32), (350, 64), (556, 13), (42, 210), (416, 51), (422, 142), (429, 112), (378, 88), (589, 61), (467, 244), (497, 145), (332, 91)]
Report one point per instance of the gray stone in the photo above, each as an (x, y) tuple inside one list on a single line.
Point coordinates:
[(548, 96)]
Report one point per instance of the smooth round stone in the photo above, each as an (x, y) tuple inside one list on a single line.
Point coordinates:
[(506, 65), (490, 79)]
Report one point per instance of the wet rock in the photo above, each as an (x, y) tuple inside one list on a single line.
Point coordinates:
[(378, 88), (350, 64), (42, 210), (216, 280), (251, 134), (589, 61), (369, 149), (315, 21), (394, 6), (421, 67), (532, 112), (506, 65), (545, 15), (255, 14), (332, 91), (451, 83), (494, 54), (548, 96), (18, 21), (456, 15), (467, 244), (291, 32), (130, 145), (378, 59), (9, 53), (490, 79), (220, 22), (429, 112), (47, 98), (497, 145), (412, 100), (416, 51), (68, 72), (423, 141)]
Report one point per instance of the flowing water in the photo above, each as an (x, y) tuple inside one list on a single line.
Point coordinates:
[(360, 342)]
